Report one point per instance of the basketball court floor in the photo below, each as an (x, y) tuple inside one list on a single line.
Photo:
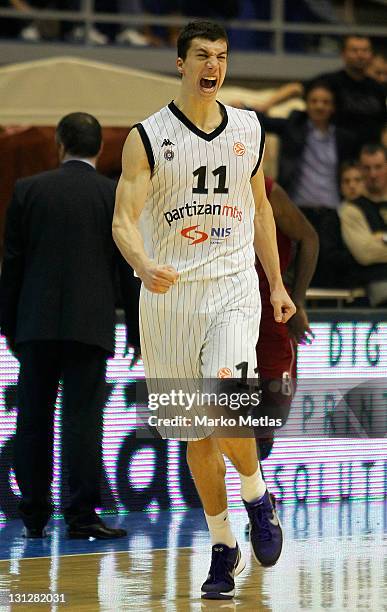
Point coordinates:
[(333, 559)]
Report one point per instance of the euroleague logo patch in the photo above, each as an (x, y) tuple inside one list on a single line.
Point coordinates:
[(239, 149), (224, 373)]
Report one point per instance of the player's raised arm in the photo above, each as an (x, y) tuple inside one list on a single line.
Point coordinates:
[(131, 195), (265, 243)]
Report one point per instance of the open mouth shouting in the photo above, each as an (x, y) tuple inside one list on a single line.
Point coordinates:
[(208, 84)]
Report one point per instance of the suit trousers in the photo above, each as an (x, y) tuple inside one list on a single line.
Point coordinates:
[(81, 367)]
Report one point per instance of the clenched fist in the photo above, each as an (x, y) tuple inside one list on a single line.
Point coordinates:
[(158, 278), (283, 306)]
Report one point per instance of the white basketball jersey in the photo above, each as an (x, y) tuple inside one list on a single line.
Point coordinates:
[(199, 212)]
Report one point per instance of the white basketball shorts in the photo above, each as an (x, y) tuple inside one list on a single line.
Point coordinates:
[(201, 330)]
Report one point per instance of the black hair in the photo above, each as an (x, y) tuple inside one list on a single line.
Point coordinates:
[(349, 165), (345, 39), (80, 134), (199, 29), (373, 147), (319, 84)]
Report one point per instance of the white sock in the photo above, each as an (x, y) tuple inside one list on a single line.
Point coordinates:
[(252, 487), (220, 529)]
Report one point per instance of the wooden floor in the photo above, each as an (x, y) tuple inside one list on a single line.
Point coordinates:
[(331, 561)]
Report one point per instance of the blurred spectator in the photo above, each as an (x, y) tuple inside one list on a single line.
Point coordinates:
[(311, 150), (97, 34), (304, 11), (377, 69), (351, 180), (36, 30), (364, 223), (130, 35), (224, 9), (336, 266), (360, 100), (31, 31), (10, 28)]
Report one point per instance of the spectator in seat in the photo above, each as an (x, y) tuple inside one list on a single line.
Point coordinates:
[(351, 180), (97, 35), (377, 69), (36, 30), (337, 267), (30, 31), (360, 100), (10, 28), (211, 9), (130, 35), (312, 149), (364, 223)]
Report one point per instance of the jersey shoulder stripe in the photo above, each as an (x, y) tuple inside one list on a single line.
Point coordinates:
[(260, 152), (147, 145), (153, 130)]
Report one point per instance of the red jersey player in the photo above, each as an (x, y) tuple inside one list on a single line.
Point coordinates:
[(276, 348)]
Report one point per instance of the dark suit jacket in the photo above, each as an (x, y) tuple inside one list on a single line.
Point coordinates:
[(60, 261), (292, 133)]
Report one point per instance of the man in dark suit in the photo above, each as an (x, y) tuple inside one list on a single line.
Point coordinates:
[(57, 298)]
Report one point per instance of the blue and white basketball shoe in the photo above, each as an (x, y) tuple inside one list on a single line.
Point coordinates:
[(226, 563), (265, 530)]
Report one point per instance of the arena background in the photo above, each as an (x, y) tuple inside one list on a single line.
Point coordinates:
[(149, 475), (334, 547)]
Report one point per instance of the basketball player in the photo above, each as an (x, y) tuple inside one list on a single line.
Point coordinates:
[(277, 344), (190, 208)]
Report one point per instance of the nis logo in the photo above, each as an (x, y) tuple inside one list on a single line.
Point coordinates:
[(195, 236)]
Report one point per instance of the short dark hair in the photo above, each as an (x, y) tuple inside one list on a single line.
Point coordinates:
[(346, 38), (349, 165), (80, 134), (319, 84), (199, 29), (373, 147)]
